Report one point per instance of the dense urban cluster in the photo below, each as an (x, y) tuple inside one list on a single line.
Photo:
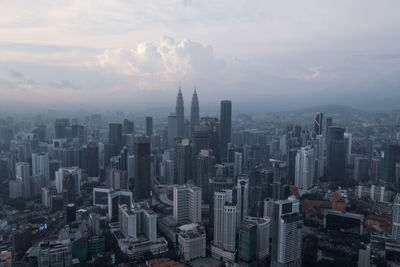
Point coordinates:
[(306, 188)]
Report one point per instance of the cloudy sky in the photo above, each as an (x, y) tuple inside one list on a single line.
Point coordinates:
[(264, 55)]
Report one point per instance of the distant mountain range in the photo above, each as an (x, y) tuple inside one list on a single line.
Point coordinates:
[(330, 109)]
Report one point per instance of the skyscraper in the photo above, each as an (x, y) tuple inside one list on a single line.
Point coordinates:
[(55, 253), (238, 163), (78, 133), (75, 184), (40, 166), (305, 168), (225, 226), (205, 162), (60, 126), (328, 123), (138, 221), (396, 219), (184, 161), (194, 113), (348, 140), (242, 199), (22, 171), (129, 126), (286, 231), (390, 155), (225, 126), (115, 136), (187, 204), (318, 127), (336, 155), (172, 130), (149, 126), (93, 160), (254, 241), (142, 185), (180, 114)]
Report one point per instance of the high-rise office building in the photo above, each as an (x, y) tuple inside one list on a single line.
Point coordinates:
[(225, 226), (78, 133), (361, 169), (318, 123), (238, 163), (242, 198), (325, 133), (370, 147), (130, 166), (54, 165), (202, 137), (336, 154), (348, 140), (180, 115), (167, 171), (292, 165), (71, 177), (142, 175), (286, 231), (55, 253), (283, 144), (115, 137), (68, 187), (128, 127), (184, 161), (138, 221), (149, 126), (187, 204), (396, 219), (194, 113), (92, 160), (205, 162), (60, 126), (254, 241), (14, 189), (389, 157), (40, 166), (70, 213), (116, 179), (127, 221), (172, 130), (110, 199), (225, 126), (22, 172), (305, 168)]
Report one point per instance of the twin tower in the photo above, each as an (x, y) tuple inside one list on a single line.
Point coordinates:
[(180, 113)]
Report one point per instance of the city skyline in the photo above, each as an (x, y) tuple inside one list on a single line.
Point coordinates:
[(200, 133)]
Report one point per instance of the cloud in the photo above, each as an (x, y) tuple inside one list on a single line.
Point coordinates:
[(15, 74), (169, 59), (314, 73)]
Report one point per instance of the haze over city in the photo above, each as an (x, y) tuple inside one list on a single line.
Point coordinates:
[(194, 133), (266, 55)]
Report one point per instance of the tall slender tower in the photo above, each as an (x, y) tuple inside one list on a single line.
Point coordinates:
[(336, 154), (285, 231), (396, 219), (225, 126), (149, 126), (142, 177), (180, 116), (194, 112), (318, 123), (304, 168)]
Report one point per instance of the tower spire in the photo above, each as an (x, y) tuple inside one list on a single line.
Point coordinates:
[(179, 108), (194, 112)]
